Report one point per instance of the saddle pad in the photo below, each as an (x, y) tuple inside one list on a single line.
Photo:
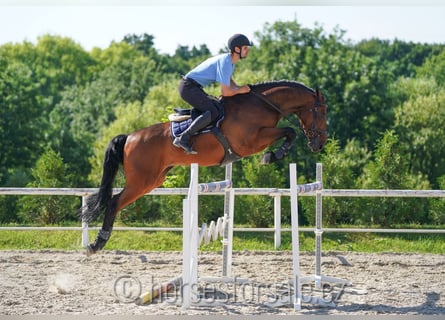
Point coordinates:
[(177, 128)]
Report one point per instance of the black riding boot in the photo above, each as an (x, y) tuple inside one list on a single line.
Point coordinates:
[(183, 141)]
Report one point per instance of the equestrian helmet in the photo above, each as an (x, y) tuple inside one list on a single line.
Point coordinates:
[(238, 40)]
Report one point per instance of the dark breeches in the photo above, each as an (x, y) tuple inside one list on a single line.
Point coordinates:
[(193, 93)]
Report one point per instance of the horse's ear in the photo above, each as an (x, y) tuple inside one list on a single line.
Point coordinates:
[(318, 94)]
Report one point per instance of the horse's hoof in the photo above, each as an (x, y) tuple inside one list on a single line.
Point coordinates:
[(190, 151), (90, 251), (266, 159)]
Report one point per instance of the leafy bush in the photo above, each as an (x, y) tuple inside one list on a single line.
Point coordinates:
[(49, 172), (437, 205), (390, 170)]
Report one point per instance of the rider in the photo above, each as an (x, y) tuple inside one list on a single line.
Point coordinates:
[(215, 69)]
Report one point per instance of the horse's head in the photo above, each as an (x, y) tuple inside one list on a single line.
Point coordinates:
[(313, 123), (287, 97)]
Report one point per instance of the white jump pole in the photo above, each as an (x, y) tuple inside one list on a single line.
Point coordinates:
[(190, 241), (295, 240), (85, 234), (298, 281), (192, 238), (318, 227), (227, 242), (318, 277), (277, 221)]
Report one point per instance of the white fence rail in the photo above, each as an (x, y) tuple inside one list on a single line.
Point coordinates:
[(276, 193)]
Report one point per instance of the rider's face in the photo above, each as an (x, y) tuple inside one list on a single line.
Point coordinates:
[(244, 51)]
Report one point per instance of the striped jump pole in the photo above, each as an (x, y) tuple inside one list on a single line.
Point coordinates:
[(294, 188), (190, 241), (297, 281), (318, 278), (192, 237), (229, 203)]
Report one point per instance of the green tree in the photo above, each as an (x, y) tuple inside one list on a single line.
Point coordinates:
[(341, 170), (143, 43), (20, 130), (32, 80), (282, 48), (184, 59), (61, 63), (49, 172), (83, 111), (390, 170), (437, 205), (419, 124), (400, 57), (257, 211), (434, 67)]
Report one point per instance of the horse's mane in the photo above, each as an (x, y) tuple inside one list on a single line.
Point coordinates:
[(264, 86)]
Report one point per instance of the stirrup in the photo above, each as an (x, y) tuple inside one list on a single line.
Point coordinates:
[(184, 145)]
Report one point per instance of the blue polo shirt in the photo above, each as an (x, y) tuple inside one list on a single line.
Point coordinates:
[(218, 68)]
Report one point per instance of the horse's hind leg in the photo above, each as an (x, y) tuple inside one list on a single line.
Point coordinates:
[(117, 203), (270, 157), (107, 226)]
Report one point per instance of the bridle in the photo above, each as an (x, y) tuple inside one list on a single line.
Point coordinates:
[(313, 132)]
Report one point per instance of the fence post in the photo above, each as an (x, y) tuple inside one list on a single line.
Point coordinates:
[(295, 233), (318, 226), (229, 199), (190, 241), (277, 220), (85, 234)]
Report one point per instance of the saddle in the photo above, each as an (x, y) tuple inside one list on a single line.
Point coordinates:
[(181, 120)]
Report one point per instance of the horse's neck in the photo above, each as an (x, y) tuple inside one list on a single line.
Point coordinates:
[(288, 100)]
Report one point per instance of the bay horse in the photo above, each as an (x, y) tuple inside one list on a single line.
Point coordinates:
[(248, 127)]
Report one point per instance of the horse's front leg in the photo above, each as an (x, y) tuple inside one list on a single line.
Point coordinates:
[(270, 157)]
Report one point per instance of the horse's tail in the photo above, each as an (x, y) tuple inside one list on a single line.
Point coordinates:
[(99, 201)]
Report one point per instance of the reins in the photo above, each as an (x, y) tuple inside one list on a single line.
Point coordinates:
[(274, 107), (313, 130)]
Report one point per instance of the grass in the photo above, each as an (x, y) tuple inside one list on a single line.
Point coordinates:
[(172, 241)]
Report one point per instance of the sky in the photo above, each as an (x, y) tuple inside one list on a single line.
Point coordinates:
[(98, 24)]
